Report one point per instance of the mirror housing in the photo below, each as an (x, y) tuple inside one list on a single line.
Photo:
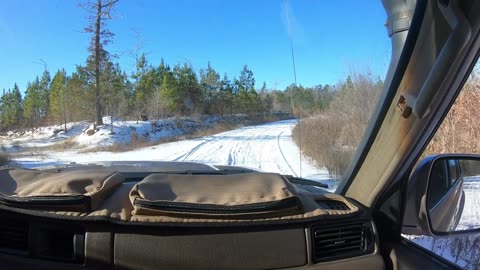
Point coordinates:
[(422, 219)]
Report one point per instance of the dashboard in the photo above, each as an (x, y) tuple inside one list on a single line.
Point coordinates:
[(332, 240), (27, 241)]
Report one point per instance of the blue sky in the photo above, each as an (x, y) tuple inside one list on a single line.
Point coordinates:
[(330, 37)]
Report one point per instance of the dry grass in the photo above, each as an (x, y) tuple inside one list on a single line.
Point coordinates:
[(136, 142), (67, 144), (460, 131), (322, 140), (331, 138)]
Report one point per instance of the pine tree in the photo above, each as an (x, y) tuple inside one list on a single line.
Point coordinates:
[(16, 103), (32, 104), (44, 95), (78, 97), (145, 83), (266, 98), (58, 97), (247, 96), (210, 84), (188, 95), (4, 110), (11, 108), (169, 93), (100, 12), (114, 91), (246, 81), (227, 94)]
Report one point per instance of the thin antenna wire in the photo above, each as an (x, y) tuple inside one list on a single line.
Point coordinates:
[(295, 78), (291, 43)]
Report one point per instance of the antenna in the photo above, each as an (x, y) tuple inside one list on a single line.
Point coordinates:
[(290, 34)]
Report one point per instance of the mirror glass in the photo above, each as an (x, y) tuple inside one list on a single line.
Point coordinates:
[(453, 197)]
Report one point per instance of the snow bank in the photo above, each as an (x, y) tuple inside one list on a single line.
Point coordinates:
[(15, 141), (85, 135), (124, 132)]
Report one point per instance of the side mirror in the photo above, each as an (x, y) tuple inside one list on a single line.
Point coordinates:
[(443, 196)]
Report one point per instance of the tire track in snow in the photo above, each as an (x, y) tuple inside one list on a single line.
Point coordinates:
[(283, 156), (192, 151), (212, 139), (246, 149)]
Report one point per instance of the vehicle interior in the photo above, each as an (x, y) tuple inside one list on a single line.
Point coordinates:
[(187, 215)]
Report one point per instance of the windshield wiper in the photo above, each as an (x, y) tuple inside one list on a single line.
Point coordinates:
[(303, 181)]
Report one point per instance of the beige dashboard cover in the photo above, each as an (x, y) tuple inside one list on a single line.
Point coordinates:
[(69, 189), (164, 198), (238, 195)]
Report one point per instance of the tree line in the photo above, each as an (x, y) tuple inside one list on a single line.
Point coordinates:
[(152, 92)]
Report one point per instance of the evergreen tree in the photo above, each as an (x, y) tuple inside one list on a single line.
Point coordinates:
[(11, 108), (210, 84), (59, 98), (32, 105), (226, 92), (114, 91), (145, 83), (168, 93), (188, 92), (44, 95), (266, 98), (78, 96), (246, 82)]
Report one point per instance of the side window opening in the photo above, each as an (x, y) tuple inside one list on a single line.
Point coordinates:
[(458, 133)]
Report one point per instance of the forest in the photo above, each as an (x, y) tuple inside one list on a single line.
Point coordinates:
[(151, 92)]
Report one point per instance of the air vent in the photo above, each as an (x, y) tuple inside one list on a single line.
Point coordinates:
[(341, 241), (59, 244), (13, 236), (332, 205)]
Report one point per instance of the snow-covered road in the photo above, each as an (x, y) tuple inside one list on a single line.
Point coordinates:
[(268, 147)]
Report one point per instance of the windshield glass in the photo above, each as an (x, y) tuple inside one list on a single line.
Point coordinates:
[(275, 86)]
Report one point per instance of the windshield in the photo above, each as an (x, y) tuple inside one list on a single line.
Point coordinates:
[(275, 86)]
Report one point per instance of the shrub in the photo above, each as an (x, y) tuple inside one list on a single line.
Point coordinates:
[(459, 131), (331, 138)]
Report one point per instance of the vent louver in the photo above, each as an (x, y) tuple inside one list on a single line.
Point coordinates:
[(332, 205), (14, 236), (341, 241)]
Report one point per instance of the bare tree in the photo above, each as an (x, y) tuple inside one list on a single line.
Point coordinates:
[(99, 12)]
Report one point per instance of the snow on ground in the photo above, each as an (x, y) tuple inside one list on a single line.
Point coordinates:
[(471, 211), (268, 147), (84, 134), (15, 141), (123, 131)]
